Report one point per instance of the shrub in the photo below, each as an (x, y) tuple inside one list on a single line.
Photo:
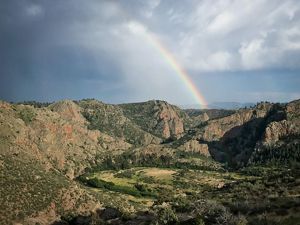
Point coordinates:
[(125, 174), (214, 213), (165, 215), (27, 115)]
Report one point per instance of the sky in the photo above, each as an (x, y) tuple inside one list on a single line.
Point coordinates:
[(231, 50)]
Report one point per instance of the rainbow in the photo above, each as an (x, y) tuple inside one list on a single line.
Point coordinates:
[(183, 75), (167, 55)]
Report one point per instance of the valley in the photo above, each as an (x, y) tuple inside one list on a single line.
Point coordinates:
[(87, 162)]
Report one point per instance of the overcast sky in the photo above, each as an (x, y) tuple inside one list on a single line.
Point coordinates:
[(233, 50)]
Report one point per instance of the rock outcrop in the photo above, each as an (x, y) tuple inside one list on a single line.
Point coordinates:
[(280, 142), (193, 146), (68, 110), (158, 117), (217, 128)]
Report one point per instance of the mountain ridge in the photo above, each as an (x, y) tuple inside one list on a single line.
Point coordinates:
[(68, 138)]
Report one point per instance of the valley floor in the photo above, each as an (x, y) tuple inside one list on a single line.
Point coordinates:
[(256, 195)]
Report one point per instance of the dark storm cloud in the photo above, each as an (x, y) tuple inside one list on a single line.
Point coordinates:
[(38, 48)]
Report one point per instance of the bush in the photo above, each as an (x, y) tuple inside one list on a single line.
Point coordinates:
[(214, 213), (165, 215), (125, 174), (182, 204), (27, 115)]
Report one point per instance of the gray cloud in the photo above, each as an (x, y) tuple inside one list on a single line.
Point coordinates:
[(57, 49)]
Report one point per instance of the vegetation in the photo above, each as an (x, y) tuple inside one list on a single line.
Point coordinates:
[(27, 114), (145, 115), (284, 154), (34, 189), (186, 196), (111, 120), (35, 104), (252, 176)]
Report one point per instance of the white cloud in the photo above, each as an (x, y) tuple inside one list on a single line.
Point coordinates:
[(136, 27), (227, 35), (255, 34), (252, 54), (222, 23)]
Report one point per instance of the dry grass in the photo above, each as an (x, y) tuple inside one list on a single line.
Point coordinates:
[(160, 174)]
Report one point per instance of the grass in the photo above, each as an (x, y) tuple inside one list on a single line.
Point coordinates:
[(107, 180), (157, 173), (155, 182), (264, 191)]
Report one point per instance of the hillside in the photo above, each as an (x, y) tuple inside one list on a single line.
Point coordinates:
[(236, 138), (110, 119), (87, 162), (158, 117)]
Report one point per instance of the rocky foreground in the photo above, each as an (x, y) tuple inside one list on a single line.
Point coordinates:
[(46, 149)]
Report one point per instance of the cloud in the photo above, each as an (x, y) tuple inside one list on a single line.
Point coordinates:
[(151, 5), (222, 23), (34, 10), (252, 54), (238, 28), (136, 28), (105, 42)]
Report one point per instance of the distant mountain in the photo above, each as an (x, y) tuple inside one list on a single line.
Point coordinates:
[(219, 105), (230, 105)]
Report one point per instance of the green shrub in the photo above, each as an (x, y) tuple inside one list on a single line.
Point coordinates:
[(27, 115), (165, 215)]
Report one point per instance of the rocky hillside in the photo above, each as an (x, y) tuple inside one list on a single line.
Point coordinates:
[(41, 152), (239, 138), (158, 118), (44, 148), (280, 141), (111, 119)]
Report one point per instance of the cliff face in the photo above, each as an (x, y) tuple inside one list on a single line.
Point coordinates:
[(288, 127), (158, 117), (280, 141), (217, 128), (193, 146), (239, 137)]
